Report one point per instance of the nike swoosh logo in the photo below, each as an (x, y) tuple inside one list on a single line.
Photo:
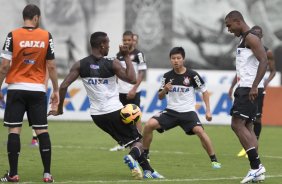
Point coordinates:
[(28, 53), (134, 113)]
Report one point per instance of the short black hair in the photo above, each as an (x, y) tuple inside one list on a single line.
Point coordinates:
[(128, 33), (177, 50), (30, 11), (97, 38), (235, 15)]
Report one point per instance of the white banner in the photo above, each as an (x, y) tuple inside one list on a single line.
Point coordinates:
[(76, 105)]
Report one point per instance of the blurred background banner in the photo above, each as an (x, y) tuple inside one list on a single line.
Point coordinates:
[(152, 21), (196, 25)]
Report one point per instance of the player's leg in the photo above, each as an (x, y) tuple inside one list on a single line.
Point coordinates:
[(126, 135), (34, 141), (148, 129), (257, 122), (123, 100), (37, 117), (249, 142), (190, 123), (207, 145), (13, 118)]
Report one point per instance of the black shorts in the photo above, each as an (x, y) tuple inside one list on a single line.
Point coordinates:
[(260, 103), (34, 103), (135, 100), (169, 119), (124, 134), (242, 106)]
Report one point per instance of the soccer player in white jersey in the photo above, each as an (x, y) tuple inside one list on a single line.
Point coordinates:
[(129, 93), (251, 65), (257, 30), (180, 85), (99, 75)]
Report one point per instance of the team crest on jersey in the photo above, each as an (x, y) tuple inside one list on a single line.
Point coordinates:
[(94, 67), (131, 57), (186, 81)]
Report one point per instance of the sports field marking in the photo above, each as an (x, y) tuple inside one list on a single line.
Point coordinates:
[(160, 180), (151, 151)]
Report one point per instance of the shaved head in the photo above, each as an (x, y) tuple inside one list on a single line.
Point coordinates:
[(235, 15)]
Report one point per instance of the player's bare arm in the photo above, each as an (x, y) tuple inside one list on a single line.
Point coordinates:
[(70, 78), (257, 48), (230, 92), (206, 98), (128, 74), (52, 74), (4, 68), (131, 94), (271, 66)]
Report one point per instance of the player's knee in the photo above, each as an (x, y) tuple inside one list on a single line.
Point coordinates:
[(198, 130), (40, 131), (152, 124)]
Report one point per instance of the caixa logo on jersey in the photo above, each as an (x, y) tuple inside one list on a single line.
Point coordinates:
[(97, 81)]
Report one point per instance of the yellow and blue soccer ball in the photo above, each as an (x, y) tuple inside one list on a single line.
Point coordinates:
[(130, 113)]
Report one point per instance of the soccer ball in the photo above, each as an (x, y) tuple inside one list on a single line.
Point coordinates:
[(130, 113)]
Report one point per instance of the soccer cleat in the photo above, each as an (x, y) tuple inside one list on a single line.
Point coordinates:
[(47, 178), (242, 153), (216, 165), (34, 142), (155, 174), (7, 178), (254, 173), (259, 179), (117, 148), (133, 166)]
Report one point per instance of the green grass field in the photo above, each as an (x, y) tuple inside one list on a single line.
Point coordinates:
[(80, 155)]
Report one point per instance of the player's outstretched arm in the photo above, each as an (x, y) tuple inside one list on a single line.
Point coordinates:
[(70, 78)]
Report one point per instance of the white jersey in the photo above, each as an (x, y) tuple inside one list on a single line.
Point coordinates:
[(182, 97), (138, 62), (246, 66), (100, 83)]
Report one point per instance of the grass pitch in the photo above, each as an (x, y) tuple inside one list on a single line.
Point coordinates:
[(80, 155)]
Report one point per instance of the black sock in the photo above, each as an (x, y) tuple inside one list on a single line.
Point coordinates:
[(213, 158), (135, 153), (143, 162), (253, 158), (13, 148), (146, 153), (257, 129), (45, 150)]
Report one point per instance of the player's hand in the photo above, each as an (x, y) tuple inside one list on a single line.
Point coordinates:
[(208, 116), (55, 112), (131, 94), (168, 86), (124, 50), (253, 94)]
